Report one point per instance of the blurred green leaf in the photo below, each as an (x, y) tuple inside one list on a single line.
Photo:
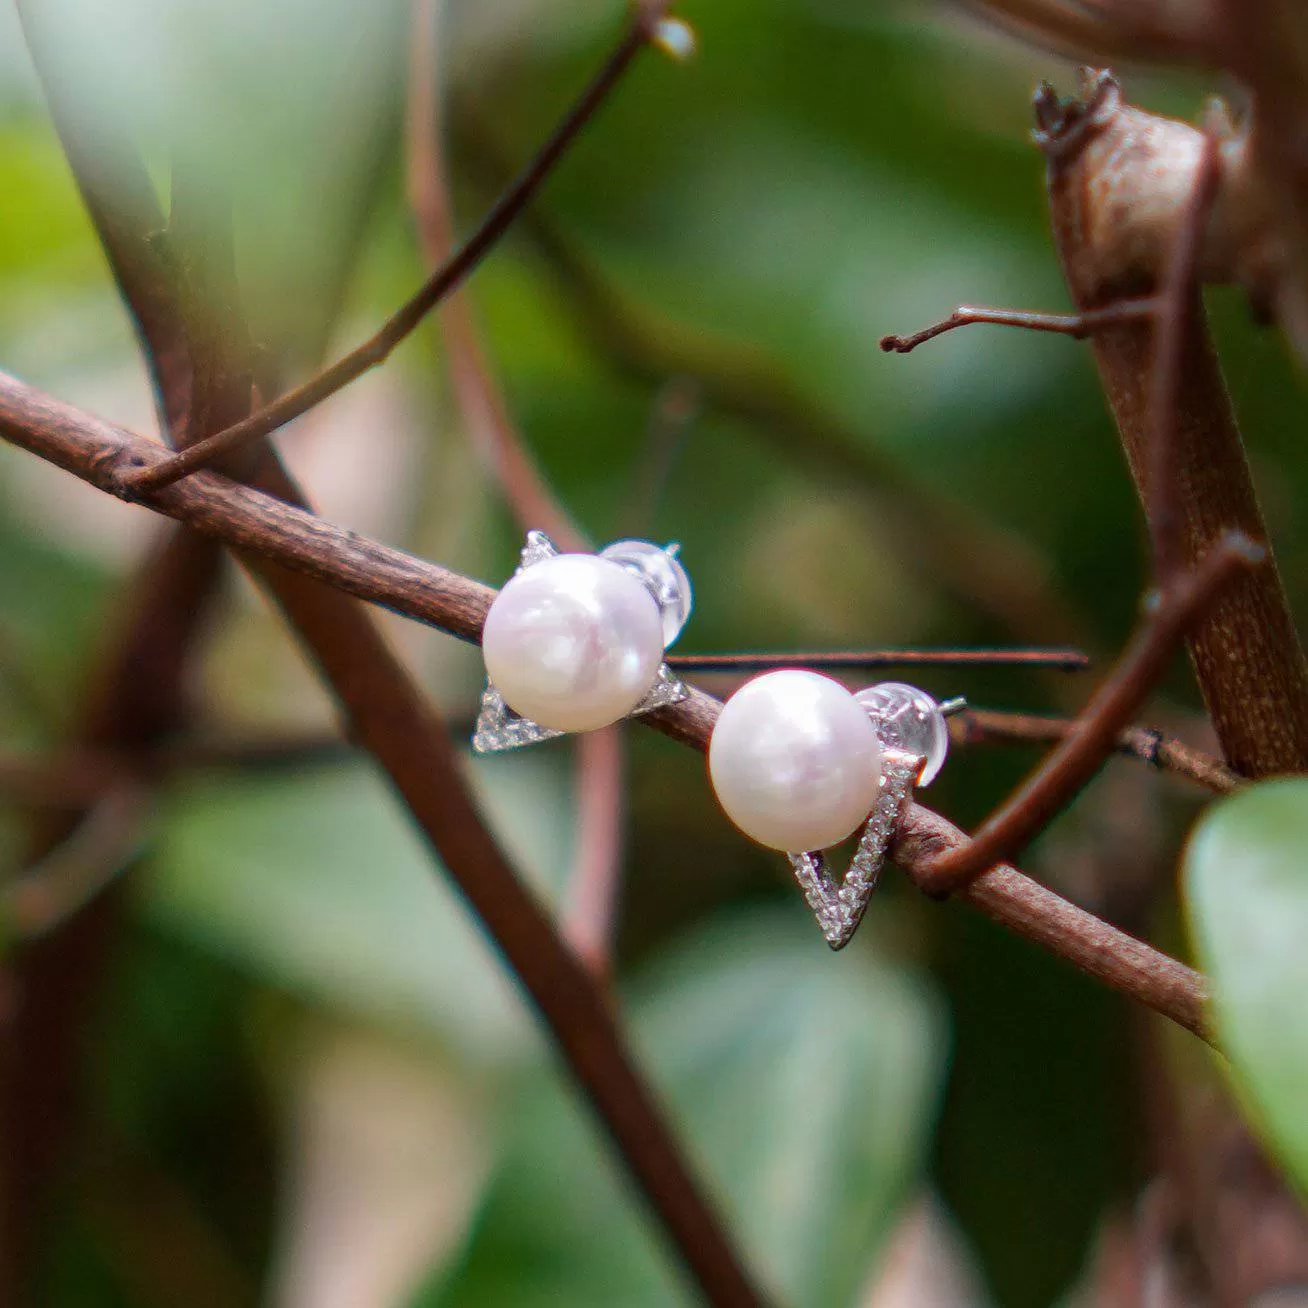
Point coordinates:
[(318, 883), (805, 1086), (1246, 877)]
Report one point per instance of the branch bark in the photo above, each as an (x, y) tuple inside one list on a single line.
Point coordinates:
[(254, 522), (1082, 752), (1247, 657), (984, 726), (593, 886)]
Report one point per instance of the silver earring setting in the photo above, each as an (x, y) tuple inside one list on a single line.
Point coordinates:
[(574, 642), (799, 764)]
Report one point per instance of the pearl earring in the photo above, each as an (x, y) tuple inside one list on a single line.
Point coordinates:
[(798, 764), (574, 642)]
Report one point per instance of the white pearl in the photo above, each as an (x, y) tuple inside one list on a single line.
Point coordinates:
[(573, 642), (795, 761)]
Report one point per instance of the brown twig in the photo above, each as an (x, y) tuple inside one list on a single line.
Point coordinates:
[(1126, 192), (50, 891), (450, 275), (71, 779), (990, 726), (389, 717), (79, 778), (1004, 895), (1052, 786), (1076, 325), (480, 401), (590, 918), (1029, 909), (984, 566), (1116, 242), (138, 693), (588, 926), (252, 521), (1058, 660)]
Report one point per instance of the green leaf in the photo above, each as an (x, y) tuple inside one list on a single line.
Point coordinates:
[(1246, 877), (804, 1084), (318, 883)]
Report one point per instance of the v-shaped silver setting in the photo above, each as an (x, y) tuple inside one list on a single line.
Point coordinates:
[(499, 728), (839, 906)]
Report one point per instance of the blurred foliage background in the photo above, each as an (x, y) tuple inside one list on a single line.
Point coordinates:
[(310, 1083)]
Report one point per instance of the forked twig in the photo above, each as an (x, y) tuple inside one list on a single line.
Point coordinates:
[(588, 924), (258, 523), (1053, 785), (450, 275), (1108, 165)]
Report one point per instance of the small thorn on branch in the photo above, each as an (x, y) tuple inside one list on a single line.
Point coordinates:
[(1076, 325)]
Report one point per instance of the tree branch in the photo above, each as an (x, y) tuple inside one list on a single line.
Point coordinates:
[(388, 716), (1102, 158), (379, 346), (588, 926), (981, 564), (1076, 325), (255, 522), (988, 726), (1080, 755)]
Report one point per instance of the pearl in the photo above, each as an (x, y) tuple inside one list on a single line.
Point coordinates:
[(909, 719), (795, 761), (573, 642)]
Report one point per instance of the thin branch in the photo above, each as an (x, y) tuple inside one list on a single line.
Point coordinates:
[(482, 405), (120, 200), (1007, 897), (139, 693), (260, 524), (594, 883), (1076, 325), (63, 881), (388, 716), (1023, 906), (590, 917), (990, 726), (1246, 652), (984, 566), (78, 778), (378, 347), (1051, 787), (1058, 660)]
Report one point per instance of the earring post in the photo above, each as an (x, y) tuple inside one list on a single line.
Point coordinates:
[(1060, 660)]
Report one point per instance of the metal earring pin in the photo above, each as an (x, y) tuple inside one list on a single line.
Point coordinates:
[(574, 642), (797, 762)]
